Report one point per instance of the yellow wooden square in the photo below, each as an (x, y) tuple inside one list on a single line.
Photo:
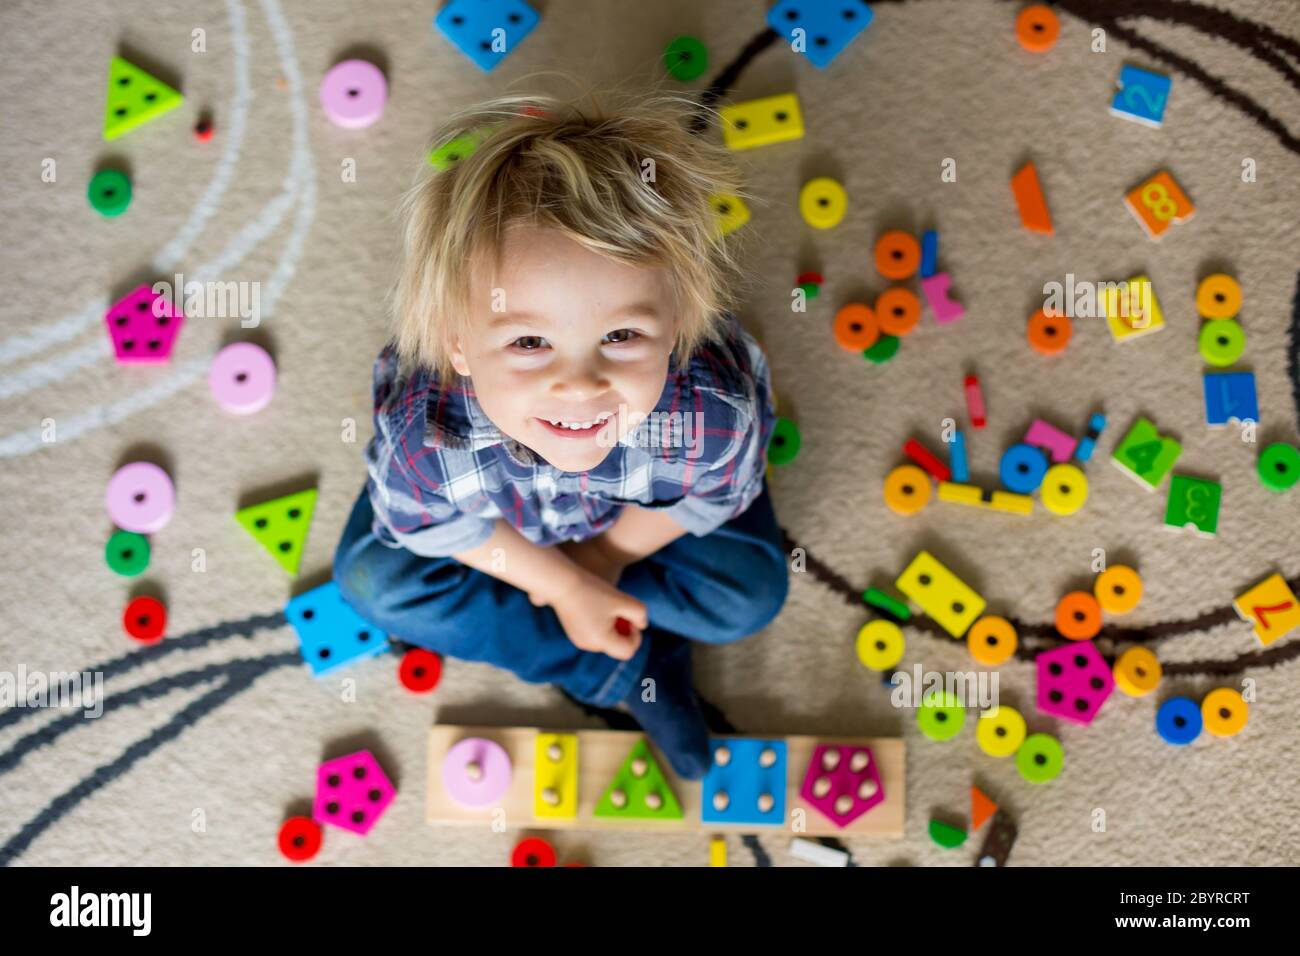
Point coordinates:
[(773, 119), (952, 604), (732, 212), (1124, 310), (1271, 607), (555, 775), (717, 852)]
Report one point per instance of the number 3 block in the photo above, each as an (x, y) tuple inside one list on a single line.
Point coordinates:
[(1145, 456), (1159, 203), (1193, 503), (1271, 607), (952, 604)]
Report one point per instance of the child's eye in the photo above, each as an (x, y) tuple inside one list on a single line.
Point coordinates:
[(529, 343), (621, 335)]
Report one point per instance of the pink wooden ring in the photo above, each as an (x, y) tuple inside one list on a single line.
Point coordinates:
[(242, 378), (140, 498), (353, 94), (493, 772)]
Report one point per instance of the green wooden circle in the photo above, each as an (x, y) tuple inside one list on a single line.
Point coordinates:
[(686, 58), (127, 553), (1279, 466), (886, 347), (109, 192), (946, 835), (810, 289), (783, 447), (940, 717), (1222, 342), (1040, 758)]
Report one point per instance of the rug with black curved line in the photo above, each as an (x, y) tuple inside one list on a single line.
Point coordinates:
[(209, 739)]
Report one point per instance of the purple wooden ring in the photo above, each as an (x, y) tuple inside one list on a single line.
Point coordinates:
[(353, 94), (493, 781)]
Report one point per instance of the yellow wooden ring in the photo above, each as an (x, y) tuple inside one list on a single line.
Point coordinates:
[(1000, 731), (1137, 672), (907, 490), (880, 645), (1064, 489), (991, 640), (823, 202), (1224, 712), (1118, 589)]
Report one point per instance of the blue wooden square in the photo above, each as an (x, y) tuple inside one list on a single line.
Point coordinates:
[(745, 781), (1230, 396), (827, 26), (1142, 96), (330, 633), (486, 31), (929, 253)]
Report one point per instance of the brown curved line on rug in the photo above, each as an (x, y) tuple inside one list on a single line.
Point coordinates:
[(1131, 635)]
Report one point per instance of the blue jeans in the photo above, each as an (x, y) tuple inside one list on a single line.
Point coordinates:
[(716, 588)]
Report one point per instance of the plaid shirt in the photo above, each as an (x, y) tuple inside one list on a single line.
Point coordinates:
[(441, 473)]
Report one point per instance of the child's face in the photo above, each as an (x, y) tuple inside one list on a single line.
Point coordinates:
[(563, 335)]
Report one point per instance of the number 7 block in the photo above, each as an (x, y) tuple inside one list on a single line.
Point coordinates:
[(1272, 607), (1145, 456)]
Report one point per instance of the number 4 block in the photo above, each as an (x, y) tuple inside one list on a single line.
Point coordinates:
[(1145, 456), (1272, 607)]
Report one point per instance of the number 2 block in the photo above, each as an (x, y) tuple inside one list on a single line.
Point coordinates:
[(1145, 456), (1159, 203), (1272, 607), (1141, 97), (952, 603), (1193, 503)]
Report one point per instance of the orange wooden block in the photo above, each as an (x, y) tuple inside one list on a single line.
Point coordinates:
[(1030, 200), (981, 807), (1158, 204)]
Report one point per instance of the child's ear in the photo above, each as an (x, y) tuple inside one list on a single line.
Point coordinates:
[(457, 356)]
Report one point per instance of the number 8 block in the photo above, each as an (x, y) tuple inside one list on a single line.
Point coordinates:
[(1159, 203)]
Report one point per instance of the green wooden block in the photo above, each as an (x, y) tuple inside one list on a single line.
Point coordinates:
[(946, 835), (783, 446), (1193, 503), (134, 98), (1279, 466), (686, 58), (886, 347), (883, 602), (280, 526), (1145, 456), (639, 791)]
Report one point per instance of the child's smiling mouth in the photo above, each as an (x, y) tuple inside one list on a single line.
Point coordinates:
[(576, 428)]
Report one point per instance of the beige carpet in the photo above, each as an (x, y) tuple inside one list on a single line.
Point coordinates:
[(204, 755)]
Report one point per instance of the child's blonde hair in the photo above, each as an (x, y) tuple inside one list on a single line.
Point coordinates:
[(541, 161)]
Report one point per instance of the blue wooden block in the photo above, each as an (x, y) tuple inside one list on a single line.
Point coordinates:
[(957, 454), (1142, 96), (332, 635), (1022, 468), (1230, 396), (1088, 443), (486, 31), (929, 253), (745, 782), (820, 29)]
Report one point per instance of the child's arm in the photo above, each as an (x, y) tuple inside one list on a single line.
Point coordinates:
[(637, 533), (587, 605)]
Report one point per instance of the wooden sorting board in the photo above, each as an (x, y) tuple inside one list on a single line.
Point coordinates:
[(600, 755)]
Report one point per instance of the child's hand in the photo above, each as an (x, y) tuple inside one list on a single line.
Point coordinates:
[(590, 614), (592, 555)]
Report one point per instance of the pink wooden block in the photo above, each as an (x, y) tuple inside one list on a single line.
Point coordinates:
[(476, 772), (143, 327), (1073, 681), (352, 792), (1050, 438), (242, 378), (840, 785), (140, 497), (353, 94), (936, 289)]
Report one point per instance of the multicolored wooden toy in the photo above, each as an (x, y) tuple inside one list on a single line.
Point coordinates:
[(639, 790), (555, 776), (820, 31), (486, 31), (143, 326), (352, 792), (762, 122), (1193, 503), (1271, 607), (1142, 96), (330, 634), (1158, 203), (745, 782), (1073, 682), (842, 783), (952, 604), (1145, 456)]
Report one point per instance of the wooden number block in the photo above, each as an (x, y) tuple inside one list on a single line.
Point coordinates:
[(941, 594), (1145, 456), (555, 775), (1230, 396), (1272, 607), (1131, 309), (1193, 503), (1159, 203), (1142, 96), (774, 119)]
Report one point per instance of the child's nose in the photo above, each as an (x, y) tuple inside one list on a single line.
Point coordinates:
[(580, 384)]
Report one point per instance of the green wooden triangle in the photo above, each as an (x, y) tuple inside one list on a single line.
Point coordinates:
[(636, 788), (280, 525), (134, 98)]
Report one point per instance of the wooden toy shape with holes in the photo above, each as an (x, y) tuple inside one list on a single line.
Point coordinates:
[(601, 754), (1271, 607)]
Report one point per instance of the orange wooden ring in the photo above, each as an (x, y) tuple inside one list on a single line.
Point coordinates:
[(856, 327), (898, 310), (1037, 28), (1078, 616), (1049, 334), (898, 254)]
